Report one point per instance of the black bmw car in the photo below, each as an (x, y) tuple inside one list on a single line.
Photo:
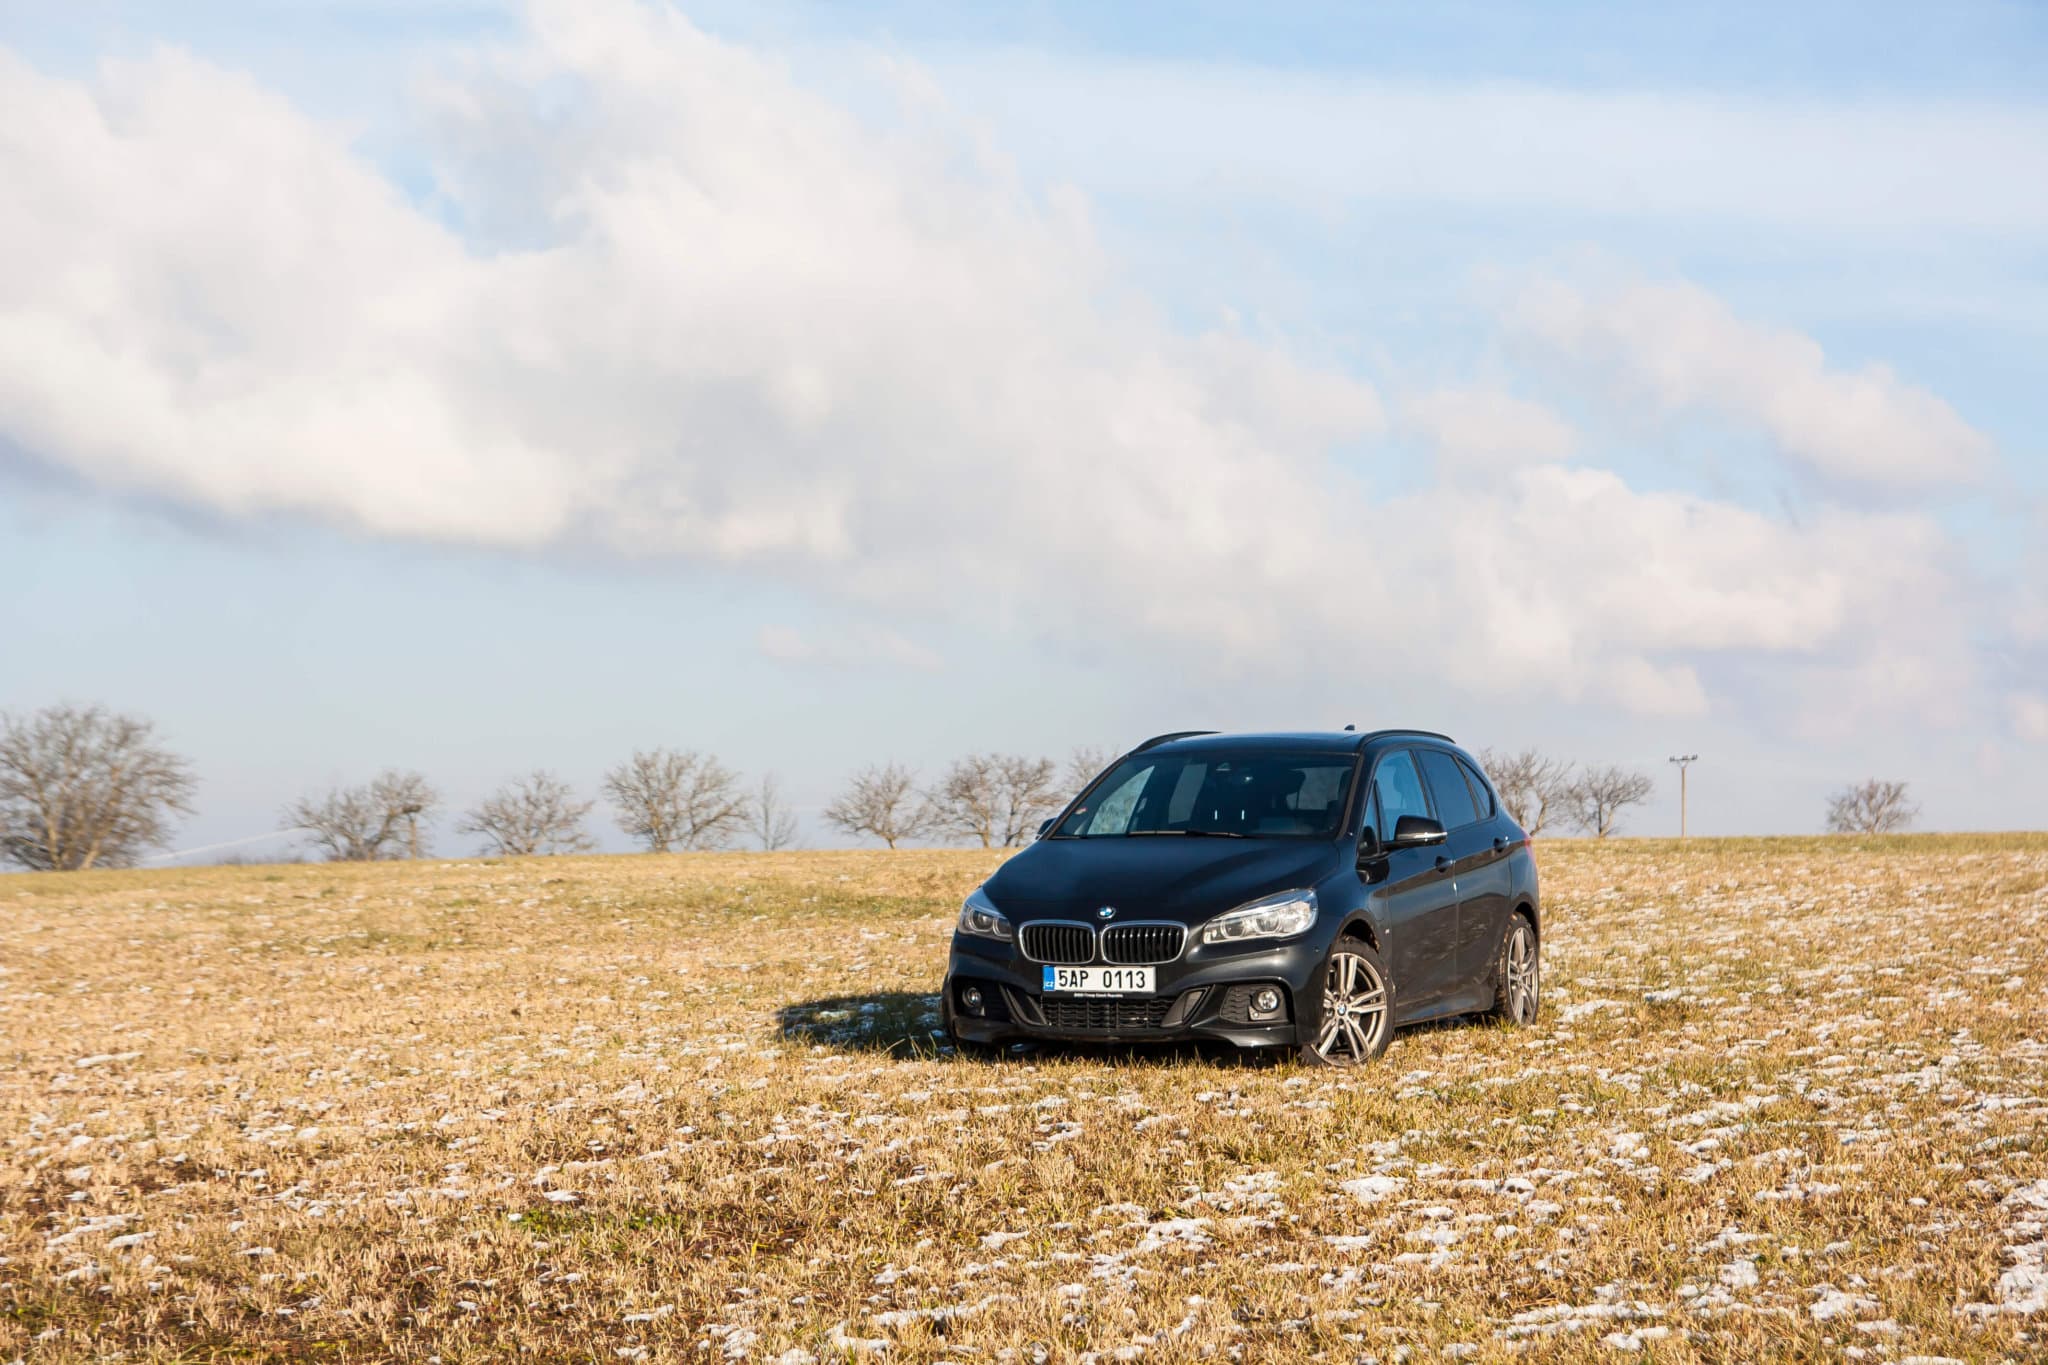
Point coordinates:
[(1312, 891)]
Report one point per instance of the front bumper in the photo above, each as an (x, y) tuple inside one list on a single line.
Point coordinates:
[(1202, 994)]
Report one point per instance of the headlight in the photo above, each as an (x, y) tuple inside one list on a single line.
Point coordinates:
[(1281, 916), (980, 916)]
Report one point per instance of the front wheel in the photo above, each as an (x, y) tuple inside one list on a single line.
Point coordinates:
[(1357, 1016), (964, 1048), (1518, 976)]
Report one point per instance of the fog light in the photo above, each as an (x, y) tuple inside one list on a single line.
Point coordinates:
[(1265, 1000), (970, 1000)]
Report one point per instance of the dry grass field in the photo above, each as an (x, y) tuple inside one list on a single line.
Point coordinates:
[(1787, 1099)]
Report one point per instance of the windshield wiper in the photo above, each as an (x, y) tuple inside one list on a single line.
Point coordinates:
[(1182, 833)]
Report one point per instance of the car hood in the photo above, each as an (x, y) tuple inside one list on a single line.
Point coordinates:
[(1184, 879)]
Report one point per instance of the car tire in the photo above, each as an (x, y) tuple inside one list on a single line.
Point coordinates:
[(1518, 975), (970, 1048), (1353, 998), (974, 1050)]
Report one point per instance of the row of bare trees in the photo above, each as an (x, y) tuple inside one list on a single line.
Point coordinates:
[(673, 800), (667, 799), (998, 799), (1542, 792), (82, 787)]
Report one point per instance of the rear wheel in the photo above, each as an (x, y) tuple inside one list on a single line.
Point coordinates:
[(1518, 975), (1357, 1008)]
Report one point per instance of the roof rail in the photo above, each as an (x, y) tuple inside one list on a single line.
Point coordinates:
[(1157, 740), (1372, 735)]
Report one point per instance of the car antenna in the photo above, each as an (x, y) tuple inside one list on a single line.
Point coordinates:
[(1351, 727)]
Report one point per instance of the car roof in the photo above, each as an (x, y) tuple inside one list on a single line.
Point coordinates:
[(1279, 741)]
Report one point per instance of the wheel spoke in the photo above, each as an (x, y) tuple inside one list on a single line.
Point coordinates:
[(1359, 1046)]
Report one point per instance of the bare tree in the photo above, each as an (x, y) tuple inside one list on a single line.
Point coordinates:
[(883, 802), (1030, 792), (1599, 796), (81, 787), (964, 802), (539, 813), (362, 824), (1084, 765), (996, 798), (1535, 788), (1872, 807), (677, 799), (769, 818)]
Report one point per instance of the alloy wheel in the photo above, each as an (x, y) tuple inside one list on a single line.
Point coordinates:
[(1524, 975), (1354, 1010)]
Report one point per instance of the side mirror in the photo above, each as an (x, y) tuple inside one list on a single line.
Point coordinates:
[(1044, 828), (1416, 831), (1370, 849)]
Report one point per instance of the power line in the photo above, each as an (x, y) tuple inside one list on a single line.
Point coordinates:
[(231, 843)]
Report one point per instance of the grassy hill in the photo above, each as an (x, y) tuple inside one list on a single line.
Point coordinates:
[(1787, 1096)]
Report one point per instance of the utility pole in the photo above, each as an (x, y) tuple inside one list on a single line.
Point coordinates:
[(1683, 761)]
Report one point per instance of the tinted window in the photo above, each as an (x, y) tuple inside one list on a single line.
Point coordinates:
[(1180, 807), (1399, 789), (1481, 792), (1447, 783), (1256, 794)]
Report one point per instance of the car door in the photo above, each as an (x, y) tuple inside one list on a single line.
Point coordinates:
[(1486, 892), (1417, 897)]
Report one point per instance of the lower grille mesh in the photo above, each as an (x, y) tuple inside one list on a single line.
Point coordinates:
[(1104, 1016)]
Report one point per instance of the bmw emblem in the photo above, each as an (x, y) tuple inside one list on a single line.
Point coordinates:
[(1106, 912)]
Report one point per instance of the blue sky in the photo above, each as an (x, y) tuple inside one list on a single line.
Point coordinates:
[(473, 387)]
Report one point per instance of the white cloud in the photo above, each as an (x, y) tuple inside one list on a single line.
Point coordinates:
[(745, 328), (725, 320), (1568, 581), (1683, 350), (1482, 429)]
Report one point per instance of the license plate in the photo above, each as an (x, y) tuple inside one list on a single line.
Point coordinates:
[(1099, 980)]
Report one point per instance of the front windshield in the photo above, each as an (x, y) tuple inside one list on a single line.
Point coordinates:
[(1249, 795)]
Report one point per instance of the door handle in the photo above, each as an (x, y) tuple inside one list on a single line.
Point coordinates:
[(1443, 864), (1499, 843)]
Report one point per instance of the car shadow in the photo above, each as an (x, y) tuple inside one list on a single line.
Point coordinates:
[(905, 1025), (901, 1024)]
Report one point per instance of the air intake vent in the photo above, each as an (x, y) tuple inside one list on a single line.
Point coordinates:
[(1068, 944), (1136, 944), (1082, 1014)]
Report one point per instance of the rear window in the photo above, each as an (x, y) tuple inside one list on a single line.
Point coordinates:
[(1481, 792)]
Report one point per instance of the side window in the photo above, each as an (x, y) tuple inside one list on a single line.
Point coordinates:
[(1114, 811), (1398, 787), (1447, 783), (1481, 791)]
